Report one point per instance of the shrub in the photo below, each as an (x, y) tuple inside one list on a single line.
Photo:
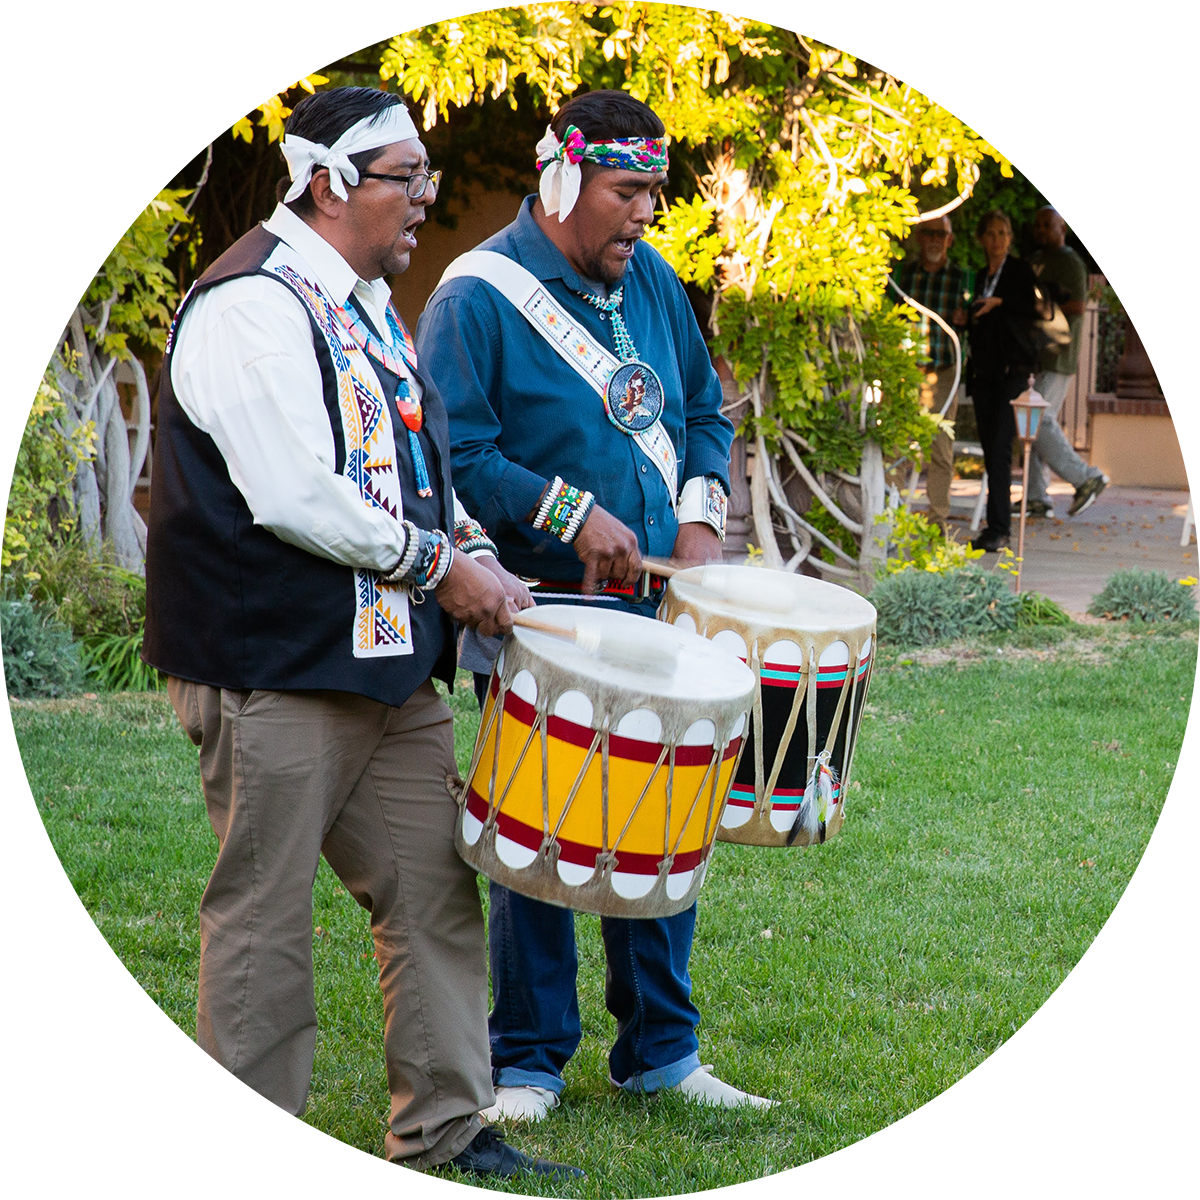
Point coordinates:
[(923, 608), (115, 663), (1036, 609), (105, 607), (919, 545), (1143, 595), (41, 658), (94, 596)]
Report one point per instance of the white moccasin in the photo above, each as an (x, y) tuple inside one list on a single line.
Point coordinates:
[(525, 1103)]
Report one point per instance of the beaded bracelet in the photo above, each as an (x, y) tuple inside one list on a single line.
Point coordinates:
[(563, 510), (575, 524), (433, 559), (412, 543), (539, 517), (471, 538), (703, 499), (426, 559)]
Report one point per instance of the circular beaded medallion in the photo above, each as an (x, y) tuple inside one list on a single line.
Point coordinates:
[(633, 397)]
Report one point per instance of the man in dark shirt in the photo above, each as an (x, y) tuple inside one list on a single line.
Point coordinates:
[(532, 438), (933, 281)]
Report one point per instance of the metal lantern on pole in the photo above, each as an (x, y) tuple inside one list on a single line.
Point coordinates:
[(1027, 409)]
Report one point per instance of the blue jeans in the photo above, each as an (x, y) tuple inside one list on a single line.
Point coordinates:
[(534, 1024)]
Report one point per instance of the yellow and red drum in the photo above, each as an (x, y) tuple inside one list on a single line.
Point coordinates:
[(810, 646), (599, 778)]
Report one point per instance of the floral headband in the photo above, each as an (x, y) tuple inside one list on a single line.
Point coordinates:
[(559, 163)]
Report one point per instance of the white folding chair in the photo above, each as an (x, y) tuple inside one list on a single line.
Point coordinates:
[(1188, 521)]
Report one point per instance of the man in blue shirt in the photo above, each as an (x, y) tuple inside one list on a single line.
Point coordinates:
[(575, 481)]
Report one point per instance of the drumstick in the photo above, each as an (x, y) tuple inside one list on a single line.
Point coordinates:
[(659, 567), (527, 621), (628, 649), (763, 589)]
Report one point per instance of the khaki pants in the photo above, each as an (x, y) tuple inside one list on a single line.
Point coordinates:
[(940, 472), (289, 776)]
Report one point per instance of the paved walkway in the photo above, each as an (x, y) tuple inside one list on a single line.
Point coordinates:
[(1070, 559)]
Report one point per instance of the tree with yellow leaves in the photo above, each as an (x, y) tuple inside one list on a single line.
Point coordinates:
[(803, 162)]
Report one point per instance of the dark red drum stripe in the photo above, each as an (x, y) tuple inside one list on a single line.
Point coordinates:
[(619, 747), (576, 852)]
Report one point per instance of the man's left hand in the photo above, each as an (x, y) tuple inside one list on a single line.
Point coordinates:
[(696, 543), (514, 589)]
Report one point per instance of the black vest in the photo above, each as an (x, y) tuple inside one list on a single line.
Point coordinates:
[(230, 604)]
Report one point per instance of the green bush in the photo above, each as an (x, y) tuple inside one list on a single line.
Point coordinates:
[(923, 608), (95, 597), (104, 605), (919, 545), (1036, 609), (41, 658), (115, 663), (1145, 596)]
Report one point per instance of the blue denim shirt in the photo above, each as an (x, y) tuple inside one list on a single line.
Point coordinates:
[(519, 414)]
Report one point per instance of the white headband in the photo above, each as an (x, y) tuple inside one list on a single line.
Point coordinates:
[(392, 124)]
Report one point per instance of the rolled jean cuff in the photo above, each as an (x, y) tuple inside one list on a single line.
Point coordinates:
[(516, 1077), (662, 1077)]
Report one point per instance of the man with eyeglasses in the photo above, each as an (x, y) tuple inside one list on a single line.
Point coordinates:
[(306, 562), (938, 284)]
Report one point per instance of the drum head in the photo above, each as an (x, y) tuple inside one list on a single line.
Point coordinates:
[(760, 596), (636, 656)]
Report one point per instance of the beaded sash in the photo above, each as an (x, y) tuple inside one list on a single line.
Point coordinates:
[(382, 626), (573, 343)]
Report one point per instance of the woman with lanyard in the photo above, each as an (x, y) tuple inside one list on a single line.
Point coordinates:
[(1002, 356)]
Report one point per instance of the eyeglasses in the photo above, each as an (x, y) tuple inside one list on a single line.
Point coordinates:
[(414, 185)]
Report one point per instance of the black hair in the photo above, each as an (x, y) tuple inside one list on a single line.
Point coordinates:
[(323, 117), (604, 115)]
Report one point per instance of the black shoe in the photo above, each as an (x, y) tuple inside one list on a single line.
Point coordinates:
[(990, 542), (1086, 493), (489, 1154), (1036, 508)]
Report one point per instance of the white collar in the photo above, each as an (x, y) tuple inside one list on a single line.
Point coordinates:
[(334, 273)]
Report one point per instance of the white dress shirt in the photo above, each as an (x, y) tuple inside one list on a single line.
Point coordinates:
[(245, 372)]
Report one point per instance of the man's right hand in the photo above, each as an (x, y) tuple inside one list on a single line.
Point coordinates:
[(472, 595), (608, 550)]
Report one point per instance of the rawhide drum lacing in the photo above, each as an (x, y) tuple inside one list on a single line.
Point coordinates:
[(599, 778)]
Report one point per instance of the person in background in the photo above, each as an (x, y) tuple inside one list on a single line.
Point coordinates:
[(1062, 274), (1001, 360), (940, 285)]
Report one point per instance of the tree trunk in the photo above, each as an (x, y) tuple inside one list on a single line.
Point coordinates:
[(876, 532), (104, 486)]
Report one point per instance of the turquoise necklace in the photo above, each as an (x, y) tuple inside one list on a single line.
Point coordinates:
[(626, 350), (633, 395)]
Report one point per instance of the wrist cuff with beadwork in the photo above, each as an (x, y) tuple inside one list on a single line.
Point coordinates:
[(426, 560), (398, 575), (434, 557), (703, 499), (563, 510), (471, 538)]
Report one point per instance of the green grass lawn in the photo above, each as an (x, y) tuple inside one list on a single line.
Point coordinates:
[(1003, 795)]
